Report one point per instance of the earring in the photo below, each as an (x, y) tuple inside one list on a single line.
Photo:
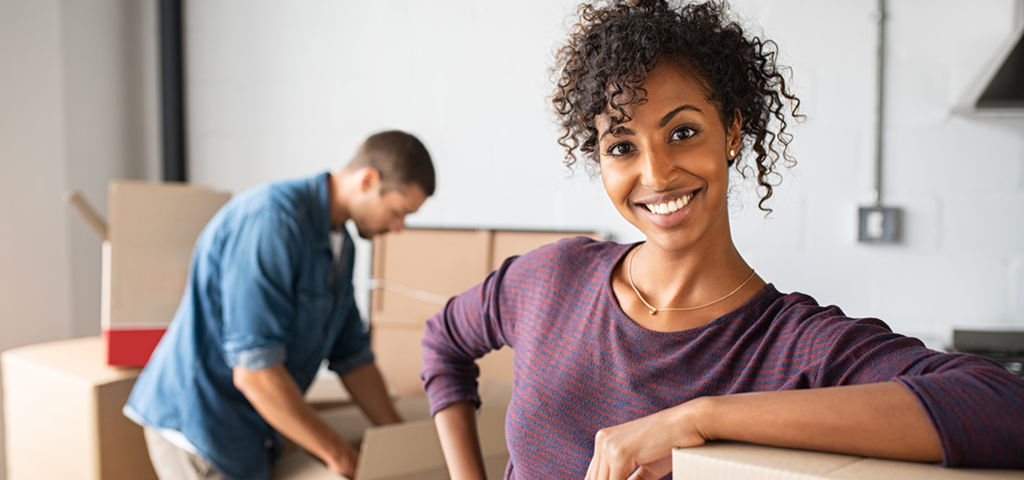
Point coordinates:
[(732, 153)]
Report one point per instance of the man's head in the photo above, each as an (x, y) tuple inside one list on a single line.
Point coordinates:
[(390, 177)]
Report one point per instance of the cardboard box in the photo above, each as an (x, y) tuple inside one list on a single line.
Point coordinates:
[(62, 410), (410, 450), (725, 460), (148, 240), (416, 271), (62, 407)]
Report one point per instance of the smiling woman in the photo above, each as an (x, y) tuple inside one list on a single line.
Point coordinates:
[(623, 352)]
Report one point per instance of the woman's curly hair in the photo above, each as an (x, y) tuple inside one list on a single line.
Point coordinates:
[(612, 48)]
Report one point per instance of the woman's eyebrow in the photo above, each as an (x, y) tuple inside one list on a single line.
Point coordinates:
[(664, 120), (618, 130)]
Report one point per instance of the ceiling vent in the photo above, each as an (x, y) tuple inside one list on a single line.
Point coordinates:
[(1000, 91)]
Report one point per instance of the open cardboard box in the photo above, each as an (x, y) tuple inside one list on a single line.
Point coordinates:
[(148, 237), (408, 450), (728, 461)]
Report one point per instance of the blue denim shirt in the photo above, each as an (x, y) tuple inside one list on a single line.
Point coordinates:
[(264, 289)]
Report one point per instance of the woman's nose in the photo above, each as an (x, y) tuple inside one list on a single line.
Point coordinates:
[(658, 171)]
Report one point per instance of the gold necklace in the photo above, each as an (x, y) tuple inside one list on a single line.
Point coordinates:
[(654, 310)]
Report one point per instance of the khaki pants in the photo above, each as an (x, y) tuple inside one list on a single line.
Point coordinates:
[(174, 463)]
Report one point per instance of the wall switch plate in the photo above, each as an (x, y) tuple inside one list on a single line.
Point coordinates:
[(879, 225)]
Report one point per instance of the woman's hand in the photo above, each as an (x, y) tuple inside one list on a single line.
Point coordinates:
[(641, 449)]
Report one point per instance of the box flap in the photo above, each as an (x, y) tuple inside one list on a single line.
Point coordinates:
[(419, 450), (85, 209), (408, 450), (152, 228), (158, 215)]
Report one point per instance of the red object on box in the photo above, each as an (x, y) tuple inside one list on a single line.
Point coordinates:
[(130, 347)]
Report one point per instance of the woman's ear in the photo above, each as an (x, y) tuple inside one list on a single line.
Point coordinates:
[(735, 134)]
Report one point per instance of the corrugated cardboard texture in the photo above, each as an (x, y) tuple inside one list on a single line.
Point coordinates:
[(727, 461), (62, 408), (152, 228)]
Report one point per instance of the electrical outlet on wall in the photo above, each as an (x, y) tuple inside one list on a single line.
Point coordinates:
[(879, 225)]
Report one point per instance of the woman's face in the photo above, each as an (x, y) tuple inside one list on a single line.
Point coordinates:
[(666, 170)]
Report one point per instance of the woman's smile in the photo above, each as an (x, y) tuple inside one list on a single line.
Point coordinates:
[(667, 210)]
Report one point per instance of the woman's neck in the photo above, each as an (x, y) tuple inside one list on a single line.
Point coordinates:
[(667, 290)]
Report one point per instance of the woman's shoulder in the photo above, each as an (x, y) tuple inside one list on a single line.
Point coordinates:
[(802, 311)]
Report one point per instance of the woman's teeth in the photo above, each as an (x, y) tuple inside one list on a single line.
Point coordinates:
[(670, 206)]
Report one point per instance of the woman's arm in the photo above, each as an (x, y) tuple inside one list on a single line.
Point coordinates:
[(456, 428), (468, 327), (878, 420)]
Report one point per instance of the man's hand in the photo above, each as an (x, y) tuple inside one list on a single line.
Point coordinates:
[(642, 449), (344, 461), (276, 397)]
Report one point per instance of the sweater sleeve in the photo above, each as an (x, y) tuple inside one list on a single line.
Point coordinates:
[(976, 405), (469, 326)]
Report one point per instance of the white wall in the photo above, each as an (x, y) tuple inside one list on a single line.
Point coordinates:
[(77, 103), (282, 90), (34, 290)]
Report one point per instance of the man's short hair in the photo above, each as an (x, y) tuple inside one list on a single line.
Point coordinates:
[(401, 159)]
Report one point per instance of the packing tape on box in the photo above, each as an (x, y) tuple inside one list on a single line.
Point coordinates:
[(422, 295)]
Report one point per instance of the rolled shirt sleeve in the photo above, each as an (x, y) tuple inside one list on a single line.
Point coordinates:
[(468, 327), (256, 291), (973, 402)]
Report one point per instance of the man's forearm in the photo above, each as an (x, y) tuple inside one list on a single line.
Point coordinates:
[(277, 398), (878, 420), (366, 386)]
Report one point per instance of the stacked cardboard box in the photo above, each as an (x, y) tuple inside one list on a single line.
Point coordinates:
[(147, 243), (62, 402), (416, 272), (62, 411)]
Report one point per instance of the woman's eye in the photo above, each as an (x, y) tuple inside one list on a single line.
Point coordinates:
[(682, 133), (619, 149)]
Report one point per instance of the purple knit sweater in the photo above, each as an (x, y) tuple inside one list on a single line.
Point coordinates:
[(581, 364)]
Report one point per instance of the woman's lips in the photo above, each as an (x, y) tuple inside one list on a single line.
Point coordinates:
[(668, 212)]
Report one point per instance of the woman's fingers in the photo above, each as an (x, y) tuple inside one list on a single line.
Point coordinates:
[(654, 470)]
